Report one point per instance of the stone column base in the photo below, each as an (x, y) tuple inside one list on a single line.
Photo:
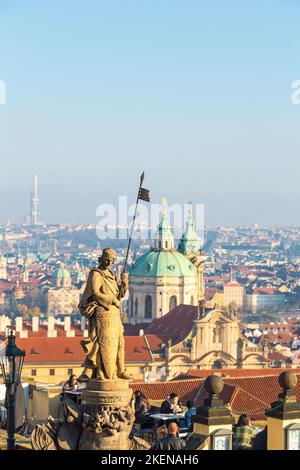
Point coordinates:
[(103, 421)]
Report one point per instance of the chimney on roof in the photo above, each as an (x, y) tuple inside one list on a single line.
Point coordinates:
[(67, 327), (35, 324), (19, 324), (51, 333), (67, 323), (4, 322)]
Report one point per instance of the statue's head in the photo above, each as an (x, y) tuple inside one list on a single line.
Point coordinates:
[(107, 257)]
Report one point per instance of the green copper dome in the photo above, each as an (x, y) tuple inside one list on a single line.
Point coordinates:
[(62, 272), (163, 263)]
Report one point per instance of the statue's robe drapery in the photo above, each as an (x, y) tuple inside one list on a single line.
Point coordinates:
[(101, 303)]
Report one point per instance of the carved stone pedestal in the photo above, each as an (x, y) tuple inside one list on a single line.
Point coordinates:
[(103, 421)]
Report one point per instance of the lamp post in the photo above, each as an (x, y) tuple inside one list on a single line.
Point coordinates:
[(12, 359)]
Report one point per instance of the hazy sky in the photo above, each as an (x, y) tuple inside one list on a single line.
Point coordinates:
[(196, 93)]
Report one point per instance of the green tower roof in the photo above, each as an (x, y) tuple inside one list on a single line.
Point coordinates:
[(190, 242)]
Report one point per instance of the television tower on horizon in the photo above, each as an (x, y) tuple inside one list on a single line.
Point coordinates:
[(35, 201)]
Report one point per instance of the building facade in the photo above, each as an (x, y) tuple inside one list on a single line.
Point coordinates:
[(64, 297)]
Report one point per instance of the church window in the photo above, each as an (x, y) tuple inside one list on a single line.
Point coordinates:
[(192, 300), (148, 306), (173, 302), (217, 365), (136, 304)]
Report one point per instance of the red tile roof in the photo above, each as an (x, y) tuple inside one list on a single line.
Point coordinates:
[(175, 325), (136, 349), (63, 350), (265, 291), (277, 356), (186, 389), (155, 343), (232, 373), (280, 337), (51, 350)]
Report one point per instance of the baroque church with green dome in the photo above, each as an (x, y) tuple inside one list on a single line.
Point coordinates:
[(64, 297), (164, 277)]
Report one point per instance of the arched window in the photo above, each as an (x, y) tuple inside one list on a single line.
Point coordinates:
[(192, 300), (173, 302), (148, 306), (217, 365), (136, 305)]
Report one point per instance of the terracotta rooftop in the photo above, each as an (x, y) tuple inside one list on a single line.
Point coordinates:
[(186, 389), (280, 337), (63, 349), (233, 373), (175, 325), (265, 291), (155, 343)]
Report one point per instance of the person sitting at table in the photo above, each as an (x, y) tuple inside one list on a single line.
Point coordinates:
[(171, 404), (172, 441), (71, 384), (192, 410)]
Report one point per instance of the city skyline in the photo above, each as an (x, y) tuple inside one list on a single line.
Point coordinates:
[(197, 96)]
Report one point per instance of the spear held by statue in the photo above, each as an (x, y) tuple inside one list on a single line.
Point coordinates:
[(143, 195)]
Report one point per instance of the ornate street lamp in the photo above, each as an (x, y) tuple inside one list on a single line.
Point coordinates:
[(11, 359)]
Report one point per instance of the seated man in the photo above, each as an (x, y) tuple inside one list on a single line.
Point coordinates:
[(172, 441), (171, 405)]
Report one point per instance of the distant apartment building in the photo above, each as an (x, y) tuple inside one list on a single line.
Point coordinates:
[(264, 298), (62, 300), (234, 292)]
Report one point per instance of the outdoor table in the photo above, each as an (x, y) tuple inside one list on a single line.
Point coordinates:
[(165, 417), (74, 395)]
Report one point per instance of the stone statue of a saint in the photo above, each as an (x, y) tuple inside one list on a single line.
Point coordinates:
[(100, 302)]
